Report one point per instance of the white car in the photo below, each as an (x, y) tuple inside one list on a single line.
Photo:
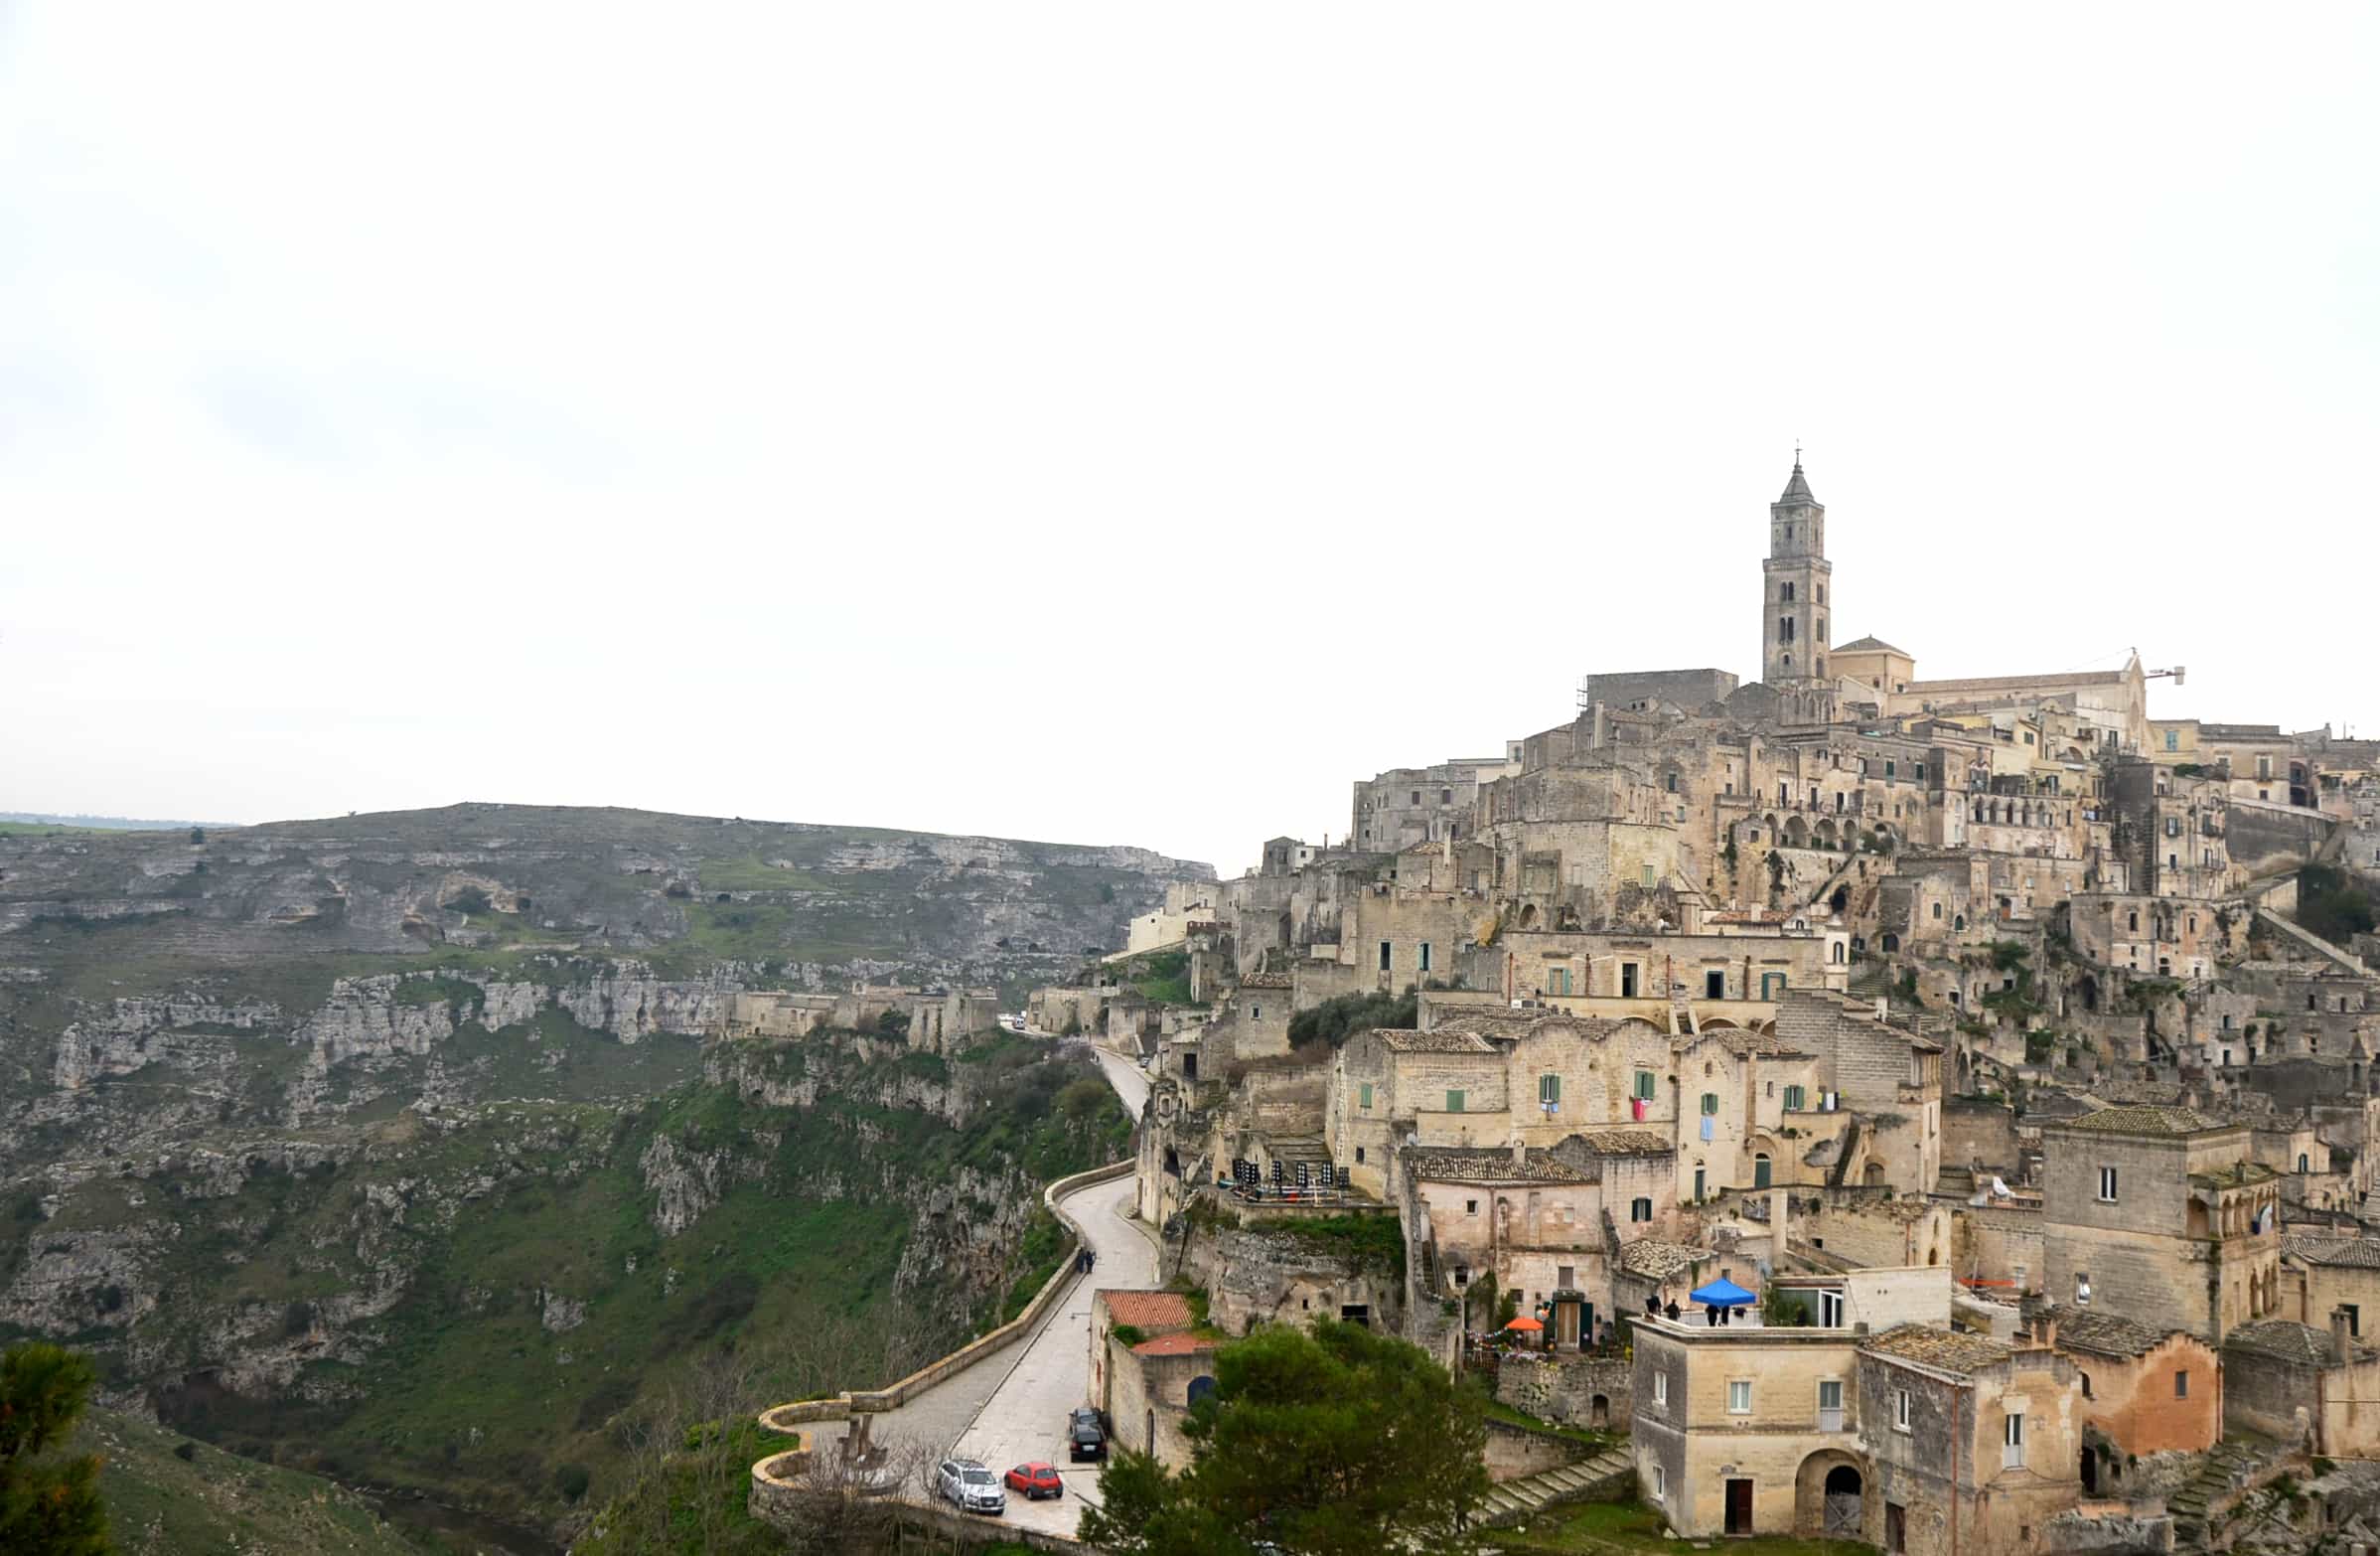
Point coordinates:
[(972, 1486)]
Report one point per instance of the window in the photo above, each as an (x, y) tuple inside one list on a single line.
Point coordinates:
[(1256, 1013), (1661, 1388), (1672, 780), (2082, 1289), (1740, 1396), (1787, 596), (1384, 956), (1661, 1483), (2173, 826), (2354, 1313), (1648, 875), (1793, 1096), (2302, 1164), (2172, 739), (1643, 1085), (1709, 1101), (1715, 985), (2012, 1440), (2086, 1383), (1628, 990), (1937, 910), (1359, 1156), (1548, 1091), (1454, 1102), (1445, 796), (2107, 1184), (1900, 1410), (1470, 1207), (1363, 1095), (1640, 1209), (1425, 956), (1829, 1404), (1416, 796), (2263, 767), (2182, 1383), (1890, 767), (1921, 772), (1830, 1310)]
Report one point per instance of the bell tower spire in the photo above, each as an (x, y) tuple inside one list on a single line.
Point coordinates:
[(1795, 582)]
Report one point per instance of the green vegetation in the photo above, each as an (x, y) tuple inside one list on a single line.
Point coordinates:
[(49, 1502), (165, 1493), (2335, 904), (1365, 1242), (1333, 1441), (1606, 1528), (1496, 1410), (1333, 1021), (1166, 978), (676, 1506)]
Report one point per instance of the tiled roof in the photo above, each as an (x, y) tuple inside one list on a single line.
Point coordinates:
[(1461, 1165), (2286, 1340), (2358, 1253), (1946, 1350), (2105, 1333), (1654, 1259), (1439, 1041), (1621, 1141), (1741, 1040), (1173, 1345), (1148, 1310), (2145, 1121), (1869, 646)]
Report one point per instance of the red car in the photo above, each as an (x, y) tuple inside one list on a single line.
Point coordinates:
[(1036, 1482)]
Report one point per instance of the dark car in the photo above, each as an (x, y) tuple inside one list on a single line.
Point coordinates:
[(1086, 1436), (1036, 1481)]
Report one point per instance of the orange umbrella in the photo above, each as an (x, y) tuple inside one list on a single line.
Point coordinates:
[(1525, 1324)]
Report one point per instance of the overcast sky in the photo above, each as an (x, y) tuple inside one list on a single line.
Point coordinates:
[(1115, 423)]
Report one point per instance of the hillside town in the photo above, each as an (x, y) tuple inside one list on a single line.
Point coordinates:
[(2002, 1047)]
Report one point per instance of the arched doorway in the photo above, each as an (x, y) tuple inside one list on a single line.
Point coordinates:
[(1598, 1412), (1830, 1497)]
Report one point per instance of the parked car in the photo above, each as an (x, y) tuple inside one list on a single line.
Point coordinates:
[(1086, 1434), (1036, 1481), (972, 1486)]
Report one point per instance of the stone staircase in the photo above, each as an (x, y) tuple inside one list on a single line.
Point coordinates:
[(1610, 1472), (1290, 1149), (2233, 1467)]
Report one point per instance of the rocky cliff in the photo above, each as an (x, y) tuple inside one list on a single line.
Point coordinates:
[(393, 1145)]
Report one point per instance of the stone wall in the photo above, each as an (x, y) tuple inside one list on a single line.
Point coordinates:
[(1515, 1450), (1565, 1389)]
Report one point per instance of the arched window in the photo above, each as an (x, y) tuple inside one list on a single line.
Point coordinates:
[(1937, 910), (1787, 596), (1760, 1169), (2304, 1165)]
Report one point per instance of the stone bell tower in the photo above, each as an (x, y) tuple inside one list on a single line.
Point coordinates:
[(1794, 609)]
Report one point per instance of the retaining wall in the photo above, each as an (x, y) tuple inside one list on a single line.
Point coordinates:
[(773, 1477)]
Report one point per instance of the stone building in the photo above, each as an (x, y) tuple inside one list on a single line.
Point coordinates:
[(2157, 1213), (2144, 1390), (1974, 1444), (2298, 1383)]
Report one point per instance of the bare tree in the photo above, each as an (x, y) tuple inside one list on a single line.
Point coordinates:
[(851, 1501)]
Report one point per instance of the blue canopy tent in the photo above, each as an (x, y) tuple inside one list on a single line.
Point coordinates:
[(1722, 1293)]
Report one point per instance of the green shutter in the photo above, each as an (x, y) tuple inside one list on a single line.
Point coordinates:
[(1454, 1102), (1365, 1095)]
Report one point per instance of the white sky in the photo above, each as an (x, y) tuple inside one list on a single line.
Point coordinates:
[(1113, 423)]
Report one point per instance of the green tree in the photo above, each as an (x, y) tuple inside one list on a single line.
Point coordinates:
[(1337, 1441), (48, 1506)]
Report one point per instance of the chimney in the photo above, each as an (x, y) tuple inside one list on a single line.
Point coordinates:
[(2045, 1330), (2342, 1349), (1520, 1152)]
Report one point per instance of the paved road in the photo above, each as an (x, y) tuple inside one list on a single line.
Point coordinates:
[(1050, 1373), (1013, 1407)]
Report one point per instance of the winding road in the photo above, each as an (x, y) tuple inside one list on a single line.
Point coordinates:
[(1012, 1407)]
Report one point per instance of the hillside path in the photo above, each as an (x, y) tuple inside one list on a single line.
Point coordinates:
[(1012, 1407)]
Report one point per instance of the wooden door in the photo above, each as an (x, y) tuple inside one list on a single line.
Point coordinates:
[(1739, 1506)]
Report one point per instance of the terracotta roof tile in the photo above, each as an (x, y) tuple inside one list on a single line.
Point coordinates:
[(2106, 1333), (2145, 1120), (1148, 1310), (1654, 1259), (1946, 1350), (2358, 1253), (1173, 1345), (1439, 1041), (2286, 1340)]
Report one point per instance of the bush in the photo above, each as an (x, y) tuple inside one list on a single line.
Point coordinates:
[(1333, 1021), (1084, 1098), (572, 1480), (471, 899)]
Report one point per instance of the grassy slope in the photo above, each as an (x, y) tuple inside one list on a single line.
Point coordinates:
[(472, 1395), (216, 1502)]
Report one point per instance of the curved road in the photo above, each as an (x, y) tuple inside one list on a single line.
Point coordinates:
[(1012, 1407)]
